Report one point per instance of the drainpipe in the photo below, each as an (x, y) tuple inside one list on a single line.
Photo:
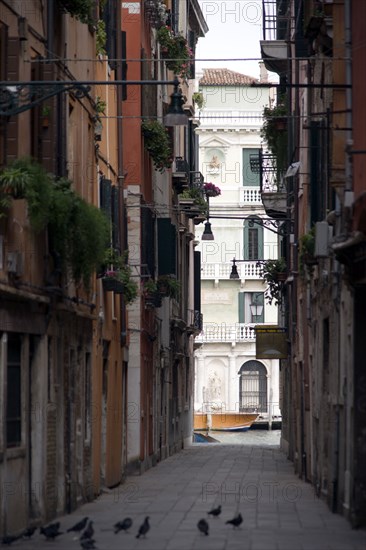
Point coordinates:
[(348, 71), (50, 30)]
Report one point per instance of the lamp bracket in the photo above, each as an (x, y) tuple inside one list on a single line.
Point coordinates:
[(22, 97)]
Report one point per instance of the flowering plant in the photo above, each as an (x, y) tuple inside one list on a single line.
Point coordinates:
[(176, 51), (211, 190)]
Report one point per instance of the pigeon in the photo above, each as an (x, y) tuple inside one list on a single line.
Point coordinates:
[(203, 526), (87, 544), (215, 511), (143, 528), (51, 531), (89, 532), (123, 525), (235, 522), (29, 532), (78, 526), (9, 539)]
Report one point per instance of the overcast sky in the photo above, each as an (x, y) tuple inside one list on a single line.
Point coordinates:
[(235, 29)]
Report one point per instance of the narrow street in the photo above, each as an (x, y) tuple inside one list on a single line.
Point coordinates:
[(280, 512)]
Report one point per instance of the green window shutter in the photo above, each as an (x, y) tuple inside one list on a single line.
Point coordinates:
[(106, 197), (167, 247), (241, 300), (249, 177), (253, 242)]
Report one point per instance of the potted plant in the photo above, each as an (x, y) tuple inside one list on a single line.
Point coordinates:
[(176, 51), (101, 37), (274, 132), (193, 202), (151, 293), (117, 275), (100, 105), (77, 231), (80, 9), (46, 111), (274, 274), (306, 252), (198, 99), (157, 143), (168, 286)]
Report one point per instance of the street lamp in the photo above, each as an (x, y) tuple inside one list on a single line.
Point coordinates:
[(207, 234), (255, 308), (176, 115)]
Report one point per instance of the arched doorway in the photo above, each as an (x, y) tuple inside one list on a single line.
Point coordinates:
[(253, 387)]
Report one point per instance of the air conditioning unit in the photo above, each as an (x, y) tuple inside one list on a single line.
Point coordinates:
[(15, 263), (321, 240)]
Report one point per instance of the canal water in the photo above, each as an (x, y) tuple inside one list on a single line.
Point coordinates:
[(251, 437)]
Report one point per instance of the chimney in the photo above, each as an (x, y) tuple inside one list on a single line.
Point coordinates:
[(263, 73)]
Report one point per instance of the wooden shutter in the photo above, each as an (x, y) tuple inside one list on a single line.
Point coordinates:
[(167, 247), (148, 240), (12, 73), (197, 281), (241, 301)]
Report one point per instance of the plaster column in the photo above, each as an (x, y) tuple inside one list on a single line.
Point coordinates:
[(233, 386), (200, 381)]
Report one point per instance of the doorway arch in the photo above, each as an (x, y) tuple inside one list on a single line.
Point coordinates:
[(253, 387)]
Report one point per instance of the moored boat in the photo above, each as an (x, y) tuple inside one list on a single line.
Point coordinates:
[(224, 421)]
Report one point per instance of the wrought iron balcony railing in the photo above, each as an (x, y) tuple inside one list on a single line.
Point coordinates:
[(271, 177), (275, 19)]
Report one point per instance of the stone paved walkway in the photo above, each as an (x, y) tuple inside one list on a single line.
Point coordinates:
[(280, 512)]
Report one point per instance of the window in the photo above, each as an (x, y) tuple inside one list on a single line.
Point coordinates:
[(14, 392), (251, 307), (249, 177), (253, 387), (253, 240)]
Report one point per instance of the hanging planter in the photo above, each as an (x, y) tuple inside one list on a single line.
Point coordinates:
[(211, 190), (112, 284)]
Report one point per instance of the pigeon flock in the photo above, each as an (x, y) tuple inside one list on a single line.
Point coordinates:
[(204, 527), (85, 530)]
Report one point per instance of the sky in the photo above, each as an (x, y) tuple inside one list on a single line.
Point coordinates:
[(235, 29)]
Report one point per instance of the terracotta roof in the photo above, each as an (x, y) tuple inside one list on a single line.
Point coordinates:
[(224, 77)]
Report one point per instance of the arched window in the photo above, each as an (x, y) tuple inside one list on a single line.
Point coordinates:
[(253, 387), (253, 240)]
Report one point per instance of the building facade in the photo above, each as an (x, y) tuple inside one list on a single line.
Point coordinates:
[(316, 50), (95, 375), (228, 375)]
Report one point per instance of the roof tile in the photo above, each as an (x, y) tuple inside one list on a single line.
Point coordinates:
[(225, 77)]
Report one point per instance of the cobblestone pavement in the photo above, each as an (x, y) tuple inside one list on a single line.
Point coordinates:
[(280, 512)]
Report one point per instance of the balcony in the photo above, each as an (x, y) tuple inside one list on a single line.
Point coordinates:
[(217, 271), (238, 332), (215, 118), (180, 174), (275, 32), (193, 201), (194, 321), (250, 195), (272, 186)]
